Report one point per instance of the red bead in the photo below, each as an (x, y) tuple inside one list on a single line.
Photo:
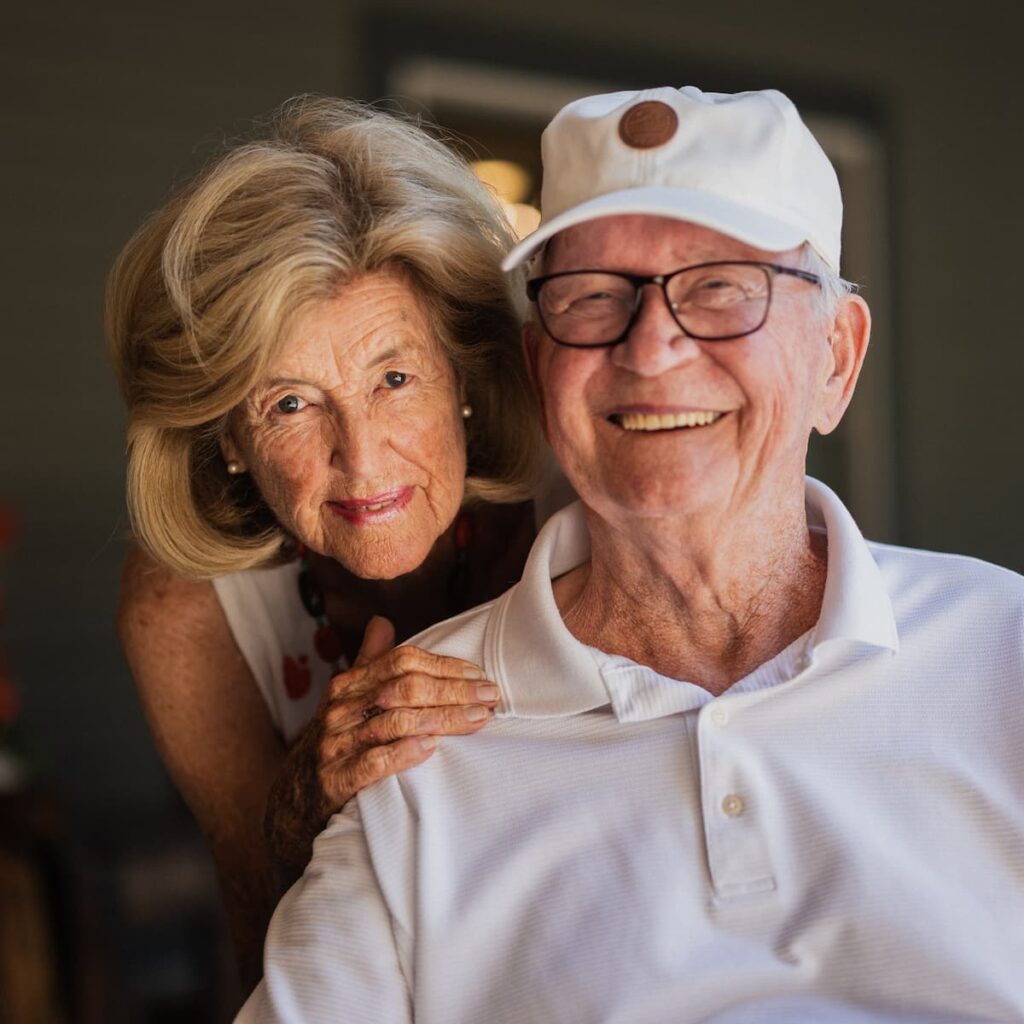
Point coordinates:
[(463, 532), (297, 676), (327, 643)]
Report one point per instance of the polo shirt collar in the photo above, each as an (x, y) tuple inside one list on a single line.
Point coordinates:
[(856, 606), (546, 672)]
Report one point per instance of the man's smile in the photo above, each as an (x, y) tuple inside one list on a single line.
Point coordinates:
[(665, 420)]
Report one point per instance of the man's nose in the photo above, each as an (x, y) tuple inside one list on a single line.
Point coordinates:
[(655, 342)]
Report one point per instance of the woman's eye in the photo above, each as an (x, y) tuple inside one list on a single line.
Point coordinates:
[(290, 404), (395, 378)]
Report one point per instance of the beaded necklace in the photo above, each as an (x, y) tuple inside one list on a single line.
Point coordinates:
[(325, 638)]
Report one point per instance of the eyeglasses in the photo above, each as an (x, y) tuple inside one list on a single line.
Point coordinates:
[(709, 301)]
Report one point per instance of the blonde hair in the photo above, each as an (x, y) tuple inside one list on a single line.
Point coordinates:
[(201, 297)]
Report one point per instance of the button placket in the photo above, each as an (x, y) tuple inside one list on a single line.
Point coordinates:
[(737, 852)]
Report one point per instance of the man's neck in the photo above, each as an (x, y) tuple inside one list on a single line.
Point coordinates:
[(706, 598)]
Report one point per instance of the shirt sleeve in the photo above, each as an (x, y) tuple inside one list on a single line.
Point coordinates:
[(331, 951)]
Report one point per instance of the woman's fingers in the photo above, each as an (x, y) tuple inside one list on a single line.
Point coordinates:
[(342, 780), (345, 714), (387, 726), (406, 660), (378, 639), (417, 690), (399, 665), (456, 720), (381, 716)]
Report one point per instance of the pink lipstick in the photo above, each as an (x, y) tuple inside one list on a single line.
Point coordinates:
[(372, 510)]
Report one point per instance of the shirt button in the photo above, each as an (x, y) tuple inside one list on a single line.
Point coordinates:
[(718, 716), (732, 805)]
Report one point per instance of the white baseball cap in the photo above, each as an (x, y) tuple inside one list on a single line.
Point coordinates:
[(743, 164)]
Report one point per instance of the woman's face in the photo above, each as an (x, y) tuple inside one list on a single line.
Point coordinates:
[(355, 438)]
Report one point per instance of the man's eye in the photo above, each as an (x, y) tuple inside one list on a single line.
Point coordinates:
[(395, 378), (715, 293), (716, 284), (290, 404), (595, 299)]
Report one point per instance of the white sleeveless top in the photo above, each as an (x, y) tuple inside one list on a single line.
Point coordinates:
[(275, 633)]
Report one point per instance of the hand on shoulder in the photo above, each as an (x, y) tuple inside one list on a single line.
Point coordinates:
[(378, 718)]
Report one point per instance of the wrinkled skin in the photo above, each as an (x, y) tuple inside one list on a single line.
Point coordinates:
[(772, 385), (361, 402)]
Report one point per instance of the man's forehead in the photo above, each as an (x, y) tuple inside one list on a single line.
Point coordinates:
[(631, 240)]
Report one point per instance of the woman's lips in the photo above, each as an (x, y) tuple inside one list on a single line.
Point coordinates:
[(375, 509)]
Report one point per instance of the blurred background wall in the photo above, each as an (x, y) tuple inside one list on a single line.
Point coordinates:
[(106, 106)]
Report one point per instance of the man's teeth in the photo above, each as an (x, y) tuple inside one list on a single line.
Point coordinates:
[(666, 421)]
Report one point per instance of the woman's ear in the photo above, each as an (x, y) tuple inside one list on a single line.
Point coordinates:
[(231, 451), (848, 340)]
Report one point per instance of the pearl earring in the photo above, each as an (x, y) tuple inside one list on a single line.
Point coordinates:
[(235, 467), (467, 410)]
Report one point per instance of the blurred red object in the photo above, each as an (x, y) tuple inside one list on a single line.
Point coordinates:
[(9, 700), (8, 526)]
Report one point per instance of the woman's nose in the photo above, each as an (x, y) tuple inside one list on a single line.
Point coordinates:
[(357, 441), (655, 342)]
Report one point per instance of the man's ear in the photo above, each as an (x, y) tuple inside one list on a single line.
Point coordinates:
[(848, 341), (531, 343)]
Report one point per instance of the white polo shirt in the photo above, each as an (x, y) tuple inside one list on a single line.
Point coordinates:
[(838, 838)]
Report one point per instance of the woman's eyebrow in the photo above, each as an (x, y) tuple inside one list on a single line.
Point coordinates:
[(385, 356), (266, 385)]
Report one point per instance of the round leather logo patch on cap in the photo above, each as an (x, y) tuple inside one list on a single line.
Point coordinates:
[(648, 124)]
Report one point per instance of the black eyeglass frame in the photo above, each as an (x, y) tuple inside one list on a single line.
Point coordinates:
[(638, 281)]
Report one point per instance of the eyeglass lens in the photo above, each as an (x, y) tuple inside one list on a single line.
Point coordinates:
[(710, 303)]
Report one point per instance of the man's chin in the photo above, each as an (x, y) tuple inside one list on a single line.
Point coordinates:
[(658, 486), (653, 501)]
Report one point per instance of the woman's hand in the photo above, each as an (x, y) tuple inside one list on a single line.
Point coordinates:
[(376, 719)]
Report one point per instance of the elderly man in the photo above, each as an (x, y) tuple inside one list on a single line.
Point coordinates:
[(747, 767)]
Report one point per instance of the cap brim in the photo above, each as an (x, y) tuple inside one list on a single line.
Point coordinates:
[(704, 208)]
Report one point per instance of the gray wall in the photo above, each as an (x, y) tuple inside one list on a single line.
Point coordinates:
[(104, 109)]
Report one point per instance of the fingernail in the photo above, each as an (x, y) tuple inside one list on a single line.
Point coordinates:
[(476, 713), (472, 672), (487, 692), (427, 742)]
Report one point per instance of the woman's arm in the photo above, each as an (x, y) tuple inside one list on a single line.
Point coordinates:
[(215, 736), (213, 731)]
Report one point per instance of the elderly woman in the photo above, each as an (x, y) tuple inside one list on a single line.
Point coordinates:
[(328, 421)]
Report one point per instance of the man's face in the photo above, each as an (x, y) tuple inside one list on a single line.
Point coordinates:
[(767, 390)]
